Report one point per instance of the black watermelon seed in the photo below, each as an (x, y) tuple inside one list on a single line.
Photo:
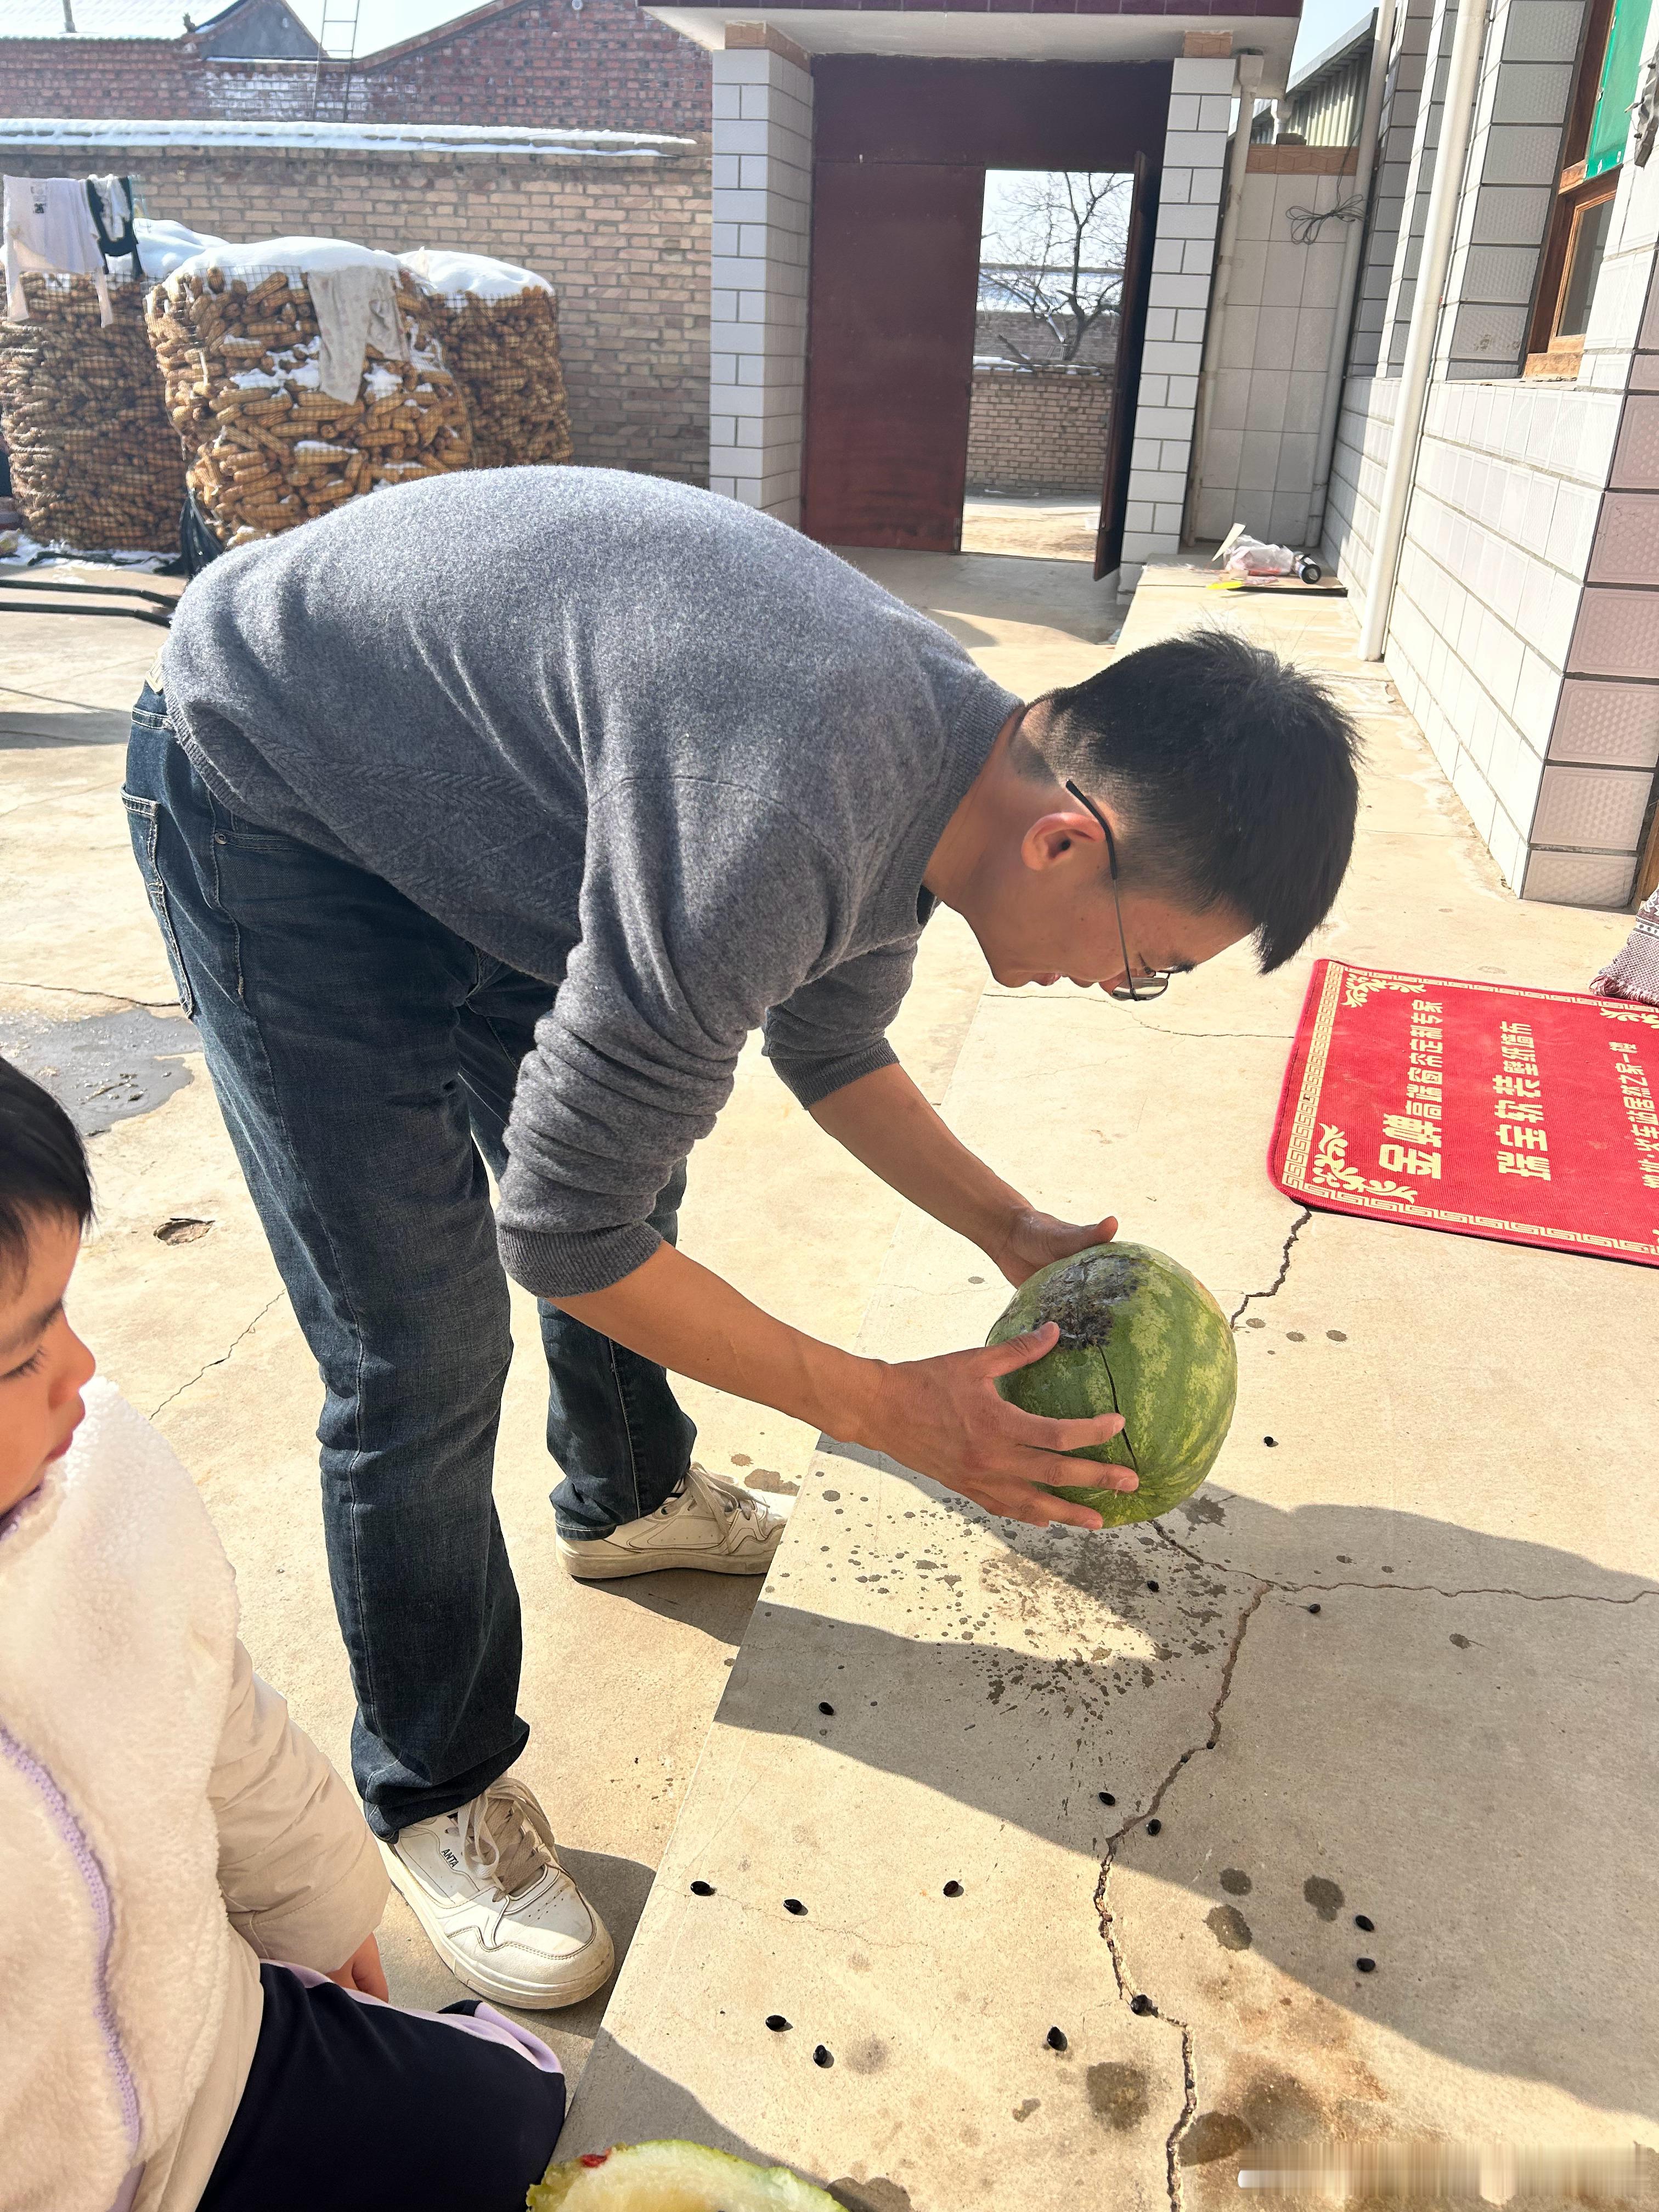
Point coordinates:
[(823, 1708), (1151, 1585), (823, 2055), (1107, 1798), (703, 1889), (793, 1904), (1365, 1924), (1142, 2005), (1312, 1609), (1367, 1965), (1056, 2039), (1270, 1440), (953, 1889), (776, 2022), (1154, 1828)]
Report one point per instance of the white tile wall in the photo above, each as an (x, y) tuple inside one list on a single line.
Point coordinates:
[(762, 152), (1194, 148), (1267, 356)]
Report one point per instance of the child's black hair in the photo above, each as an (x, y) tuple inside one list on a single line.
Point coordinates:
[(43, 1166)]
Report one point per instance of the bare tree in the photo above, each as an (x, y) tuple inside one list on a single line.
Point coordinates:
[(1054, 245)]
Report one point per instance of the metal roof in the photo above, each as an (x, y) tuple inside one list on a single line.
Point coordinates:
[(1351, 44)]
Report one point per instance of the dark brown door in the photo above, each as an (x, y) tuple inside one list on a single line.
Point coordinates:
[(895, 279), (1126, 380)]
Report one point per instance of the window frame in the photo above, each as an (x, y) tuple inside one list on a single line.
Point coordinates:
[(1549, 354)]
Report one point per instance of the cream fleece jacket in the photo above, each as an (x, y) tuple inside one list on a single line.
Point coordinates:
[(163, 1826)]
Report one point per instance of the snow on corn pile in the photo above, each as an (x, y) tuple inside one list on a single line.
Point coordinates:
[(250, 337), (95, 466), (502, 340), (163, 245)]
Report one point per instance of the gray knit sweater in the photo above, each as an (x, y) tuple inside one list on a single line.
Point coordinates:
[(633, 738)]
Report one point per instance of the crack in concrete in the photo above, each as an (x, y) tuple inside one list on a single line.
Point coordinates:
[(69, 991), (222, 1358), (1425, 1589), (1277, 1283), (1272, 1037), (1476, 1589), (1100, 1005), (1126, 1992)]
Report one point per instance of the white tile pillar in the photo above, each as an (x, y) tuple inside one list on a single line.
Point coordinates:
[(762, 190), (1183, 255)]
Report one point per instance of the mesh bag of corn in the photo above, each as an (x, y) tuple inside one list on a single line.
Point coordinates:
[(301, 373), (95, 465), (501, 339)]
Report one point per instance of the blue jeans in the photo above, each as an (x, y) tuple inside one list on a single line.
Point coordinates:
[(364, 1059)]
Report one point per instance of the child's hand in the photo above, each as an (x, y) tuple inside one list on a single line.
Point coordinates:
[(363, 1971)]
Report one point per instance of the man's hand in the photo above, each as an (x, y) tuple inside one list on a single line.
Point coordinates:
[(1034, 1239), (944, 1418), (363, 1971)]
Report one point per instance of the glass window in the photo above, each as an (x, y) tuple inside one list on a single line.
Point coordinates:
[(1589, 243)]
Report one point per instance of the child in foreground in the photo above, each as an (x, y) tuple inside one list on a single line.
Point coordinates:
[(167, 1834)]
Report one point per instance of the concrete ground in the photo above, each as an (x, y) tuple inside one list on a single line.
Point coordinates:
[(1055, 528), (1458, 1744)]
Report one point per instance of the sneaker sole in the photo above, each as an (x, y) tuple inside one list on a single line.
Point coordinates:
[(587, 1975), (617, 1567)]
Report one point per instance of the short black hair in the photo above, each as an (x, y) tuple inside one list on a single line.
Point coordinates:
[(43, 1167), (1236, 772)]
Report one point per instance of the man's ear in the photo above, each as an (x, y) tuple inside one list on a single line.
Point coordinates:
[(1057, 835)]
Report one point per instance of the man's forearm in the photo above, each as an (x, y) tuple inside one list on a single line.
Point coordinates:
[(688, 1318), (884, 1121)]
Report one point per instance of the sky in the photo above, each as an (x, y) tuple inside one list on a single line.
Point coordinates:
[(1323, 23), (379, 23), (384, 22)]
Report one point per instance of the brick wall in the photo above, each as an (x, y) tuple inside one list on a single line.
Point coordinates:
[(1038, 430), (624, 238), (605, 66)]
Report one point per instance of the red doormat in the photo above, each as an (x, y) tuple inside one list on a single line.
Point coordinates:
[(1488, 1111)]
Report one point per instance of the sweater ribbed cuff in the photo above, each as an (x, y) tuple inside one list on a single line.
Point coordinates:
[(565, 1266), (814, 1080)]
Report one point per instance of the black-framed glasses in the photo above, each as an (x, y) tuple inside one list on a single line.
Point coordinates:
[(1151, 983)]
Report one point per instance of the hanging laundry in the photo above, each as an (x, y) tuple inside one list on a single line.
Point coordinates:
[(49, 225), (109, 201), (356, 306)]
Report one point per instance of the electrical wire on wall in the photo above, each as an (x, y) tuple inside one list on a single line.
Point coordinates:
[(1307, 223)]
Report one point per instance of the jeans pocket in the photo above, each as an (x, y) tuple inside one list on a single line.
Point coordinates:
[(144, 823)]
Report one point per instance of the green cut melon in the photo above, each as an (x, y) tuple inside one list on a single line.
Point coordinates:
[(1139, 1336), (672, 2177)]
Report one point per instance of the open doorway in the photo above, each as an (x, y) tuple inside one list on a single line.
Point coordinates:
[(902, 148), (1053, 245)]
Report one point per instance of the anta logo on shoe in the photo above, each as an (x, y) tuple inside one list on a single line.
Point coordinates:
[(448, 1857)]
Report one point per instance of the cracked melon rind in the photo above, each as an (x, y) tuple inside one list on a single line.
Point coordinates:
[(1141, 1336), (673, 2177)]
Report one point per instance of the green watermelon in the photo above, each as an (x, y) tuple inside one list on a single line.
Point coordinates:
[(671, 2177), (1139, 1336)]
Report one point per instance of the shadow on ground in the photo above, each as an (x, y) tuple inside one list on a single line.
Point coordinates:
[(1504, 1869)]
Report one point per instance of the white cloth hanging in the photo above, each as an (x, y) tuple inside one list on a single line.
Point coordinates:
[(49, 225), (356, 307)]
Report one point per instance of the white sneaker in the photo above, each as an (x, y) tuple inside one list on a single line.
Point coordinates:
[(486, 1884), (709, 1522)]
